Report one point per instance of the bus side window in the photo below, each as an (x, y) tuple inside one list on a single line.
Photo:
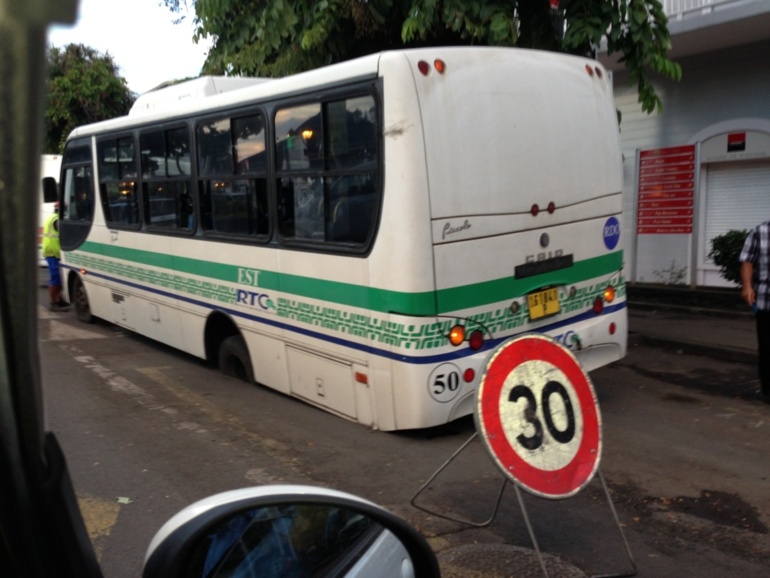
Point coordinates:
[(327, 166), (351, 126), (215, 148), (78, 195), (249, 145), (233, 185), (166, 186), (118, 172), (286, 207)]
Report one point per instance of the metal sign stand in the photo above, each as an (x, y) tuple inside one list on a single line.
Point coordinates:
[(549, 458), (524, 513), (450, 518)]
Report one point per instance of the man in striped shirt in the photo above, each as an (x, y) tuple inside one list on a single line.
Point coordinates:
[(755, 290)]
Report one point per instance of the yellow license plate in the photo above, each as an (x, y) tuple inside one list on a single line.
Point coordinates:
[(543, 303)]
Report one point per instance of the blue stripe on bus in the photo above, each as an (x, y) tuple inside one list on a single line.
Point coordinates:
[(421, 360)]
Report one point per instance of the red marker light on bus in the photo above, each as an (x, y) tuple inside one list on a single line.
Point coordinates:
[(469, 375), (589, 70), (457, 335), (613, 328), (598, 305), (534, 210), (423, 67), (551, 208), (476, 340)]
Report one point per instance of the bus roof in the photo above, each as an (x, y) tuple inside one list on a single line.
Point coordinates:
[(181, 103), (357, 69), (170, 96)]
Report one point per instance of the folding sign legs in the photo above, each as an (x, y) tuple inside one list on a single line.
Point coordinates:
[(524, 513), (446, 516), (532, 537), (622, 533)]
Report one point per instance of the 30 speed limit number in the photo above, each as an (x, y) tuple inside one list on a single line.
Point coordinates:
[(538, 416)]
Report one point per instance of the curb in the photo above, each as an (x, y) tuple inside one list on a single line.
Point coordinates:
[(723, 352), (690, 310)]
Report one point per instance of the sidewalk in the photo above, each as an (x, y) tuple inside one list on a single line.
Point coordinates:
[(726, 334)]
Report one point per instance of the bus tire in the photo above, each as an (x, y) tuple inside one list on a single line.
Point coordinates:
[(234, 359), (80, 300)]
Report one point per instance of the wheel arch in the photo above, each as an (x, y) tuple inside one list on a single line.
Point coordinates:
[(70, 277), (219, 326), (74, 279)]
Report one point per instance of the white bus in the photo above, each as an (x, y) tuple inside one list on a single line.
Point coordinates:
[(361, 236), (50, 165)]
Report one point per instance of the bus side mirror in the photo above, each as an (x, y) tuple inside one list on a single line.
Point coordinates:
[(50, 190)]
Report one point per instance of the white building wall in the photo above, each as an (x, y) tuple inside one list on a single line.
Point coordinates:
[(720, 92)]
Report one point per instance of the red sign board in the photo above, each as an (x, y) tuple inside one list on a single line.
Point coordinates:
[(538, 416), (666, 190)]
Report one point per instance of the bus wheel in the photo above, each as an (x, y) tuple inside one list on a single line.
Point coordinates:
[(234, 359), (80, 298)]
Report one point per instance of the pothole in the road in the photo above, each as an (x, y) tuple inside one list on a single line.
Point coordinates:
[(716, 519), (717, 507)]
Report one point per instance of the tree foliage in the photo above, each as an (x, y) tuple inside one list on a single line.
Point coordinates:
[(83, 86), (279, 37)]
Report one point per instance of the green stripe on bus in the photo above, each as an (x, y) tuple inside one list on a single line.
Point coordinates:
[(498, 290), (380, 300)]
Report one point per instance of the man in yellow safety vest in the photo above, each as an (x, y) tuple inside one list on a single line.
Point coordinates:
[(52, 254)]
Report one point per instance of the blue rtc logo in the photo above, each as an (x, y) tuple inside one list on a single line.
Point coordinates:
[(254, 299), (611, 233)]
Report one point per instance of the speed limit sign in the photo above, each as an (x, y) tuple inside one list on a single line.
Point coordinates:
[(538, 415)]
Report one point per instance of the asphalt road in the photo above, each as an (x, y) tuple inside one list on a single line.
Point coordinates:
[(147, 430)]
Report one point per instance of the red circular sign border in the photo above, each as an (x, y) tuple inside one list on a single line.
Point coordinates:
[(560, 483)]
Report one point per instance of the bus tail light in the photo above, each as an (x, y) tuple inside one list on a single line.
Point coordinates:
[(457, 335), (476, 340), (607, 296), (438, 65), (469, 375)]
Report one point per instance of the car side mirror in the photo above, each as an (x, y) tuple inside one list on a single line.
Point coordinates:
[(288, 531), (50, 190)]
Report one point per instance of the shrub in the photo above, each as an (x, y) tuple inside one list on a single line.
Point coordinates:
[(725, 252)]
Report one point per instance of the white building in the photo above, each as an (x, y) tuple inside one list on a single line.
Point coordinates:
[(702, 166)]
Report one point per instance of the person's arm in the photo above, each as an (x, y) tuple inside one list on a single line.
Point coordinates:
[(747, 289)]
